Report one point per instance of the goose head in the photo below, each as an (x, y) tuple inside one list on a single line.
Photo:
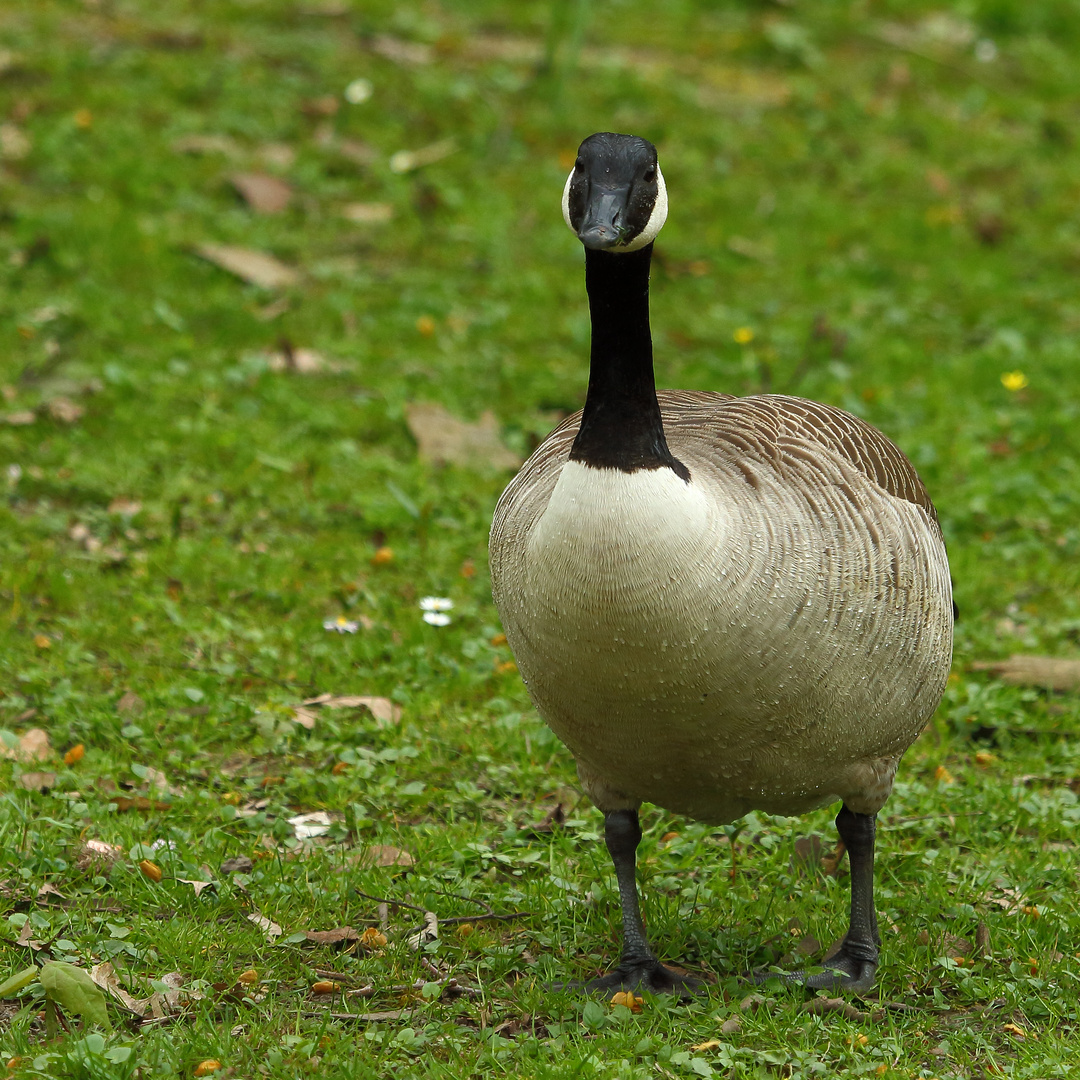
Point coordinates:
[(615, 199)]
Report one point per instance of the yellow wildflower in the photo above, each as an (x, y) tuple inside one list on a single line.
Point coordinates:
[(1013, 380)]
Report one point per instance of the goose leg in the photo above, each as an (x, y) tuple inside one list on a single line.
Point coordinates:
[(639, 968), (854, 964)]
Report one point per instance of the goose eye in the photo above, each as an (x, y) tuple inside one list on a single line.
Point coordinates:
[(650, 175), (579, 164)]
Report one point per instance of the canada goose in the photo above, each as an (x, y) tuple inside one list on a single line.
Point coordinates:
[(719, 604)]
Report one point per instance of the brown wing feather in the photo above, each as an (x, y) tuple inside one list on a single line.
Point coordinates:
[(772, 427), (778, 421)]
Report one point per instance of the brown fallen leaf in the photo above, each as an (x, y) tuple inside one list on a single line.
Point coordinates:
[(382, 709), (269, 928), (305, 361), (363, 213), (197, 885), (98, 856), (254, 267), (265, 194), (1050, 672), (105, 976), (372, 939), (25, 941), (407, 160), (443, 439), (207, 144), (139, 802), (33, 745), (406, 53), (38, 781), (332, 937), (14, 143), (819, 1006), (64, 409), (21, 418), (304, 717), (385, 855), (731, 1026), (124, 506), (242, 864)]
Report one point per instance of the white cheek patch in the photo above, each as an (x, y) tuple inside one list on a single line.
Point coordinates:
[(566, 201), (656, 218), (652, 226)]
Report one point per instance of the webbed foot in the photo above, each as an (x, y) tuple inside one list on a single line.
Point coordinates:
[(649, 975), (850, 968)]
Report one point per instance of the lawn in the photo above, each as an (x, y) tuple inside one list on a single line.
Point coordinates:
[(246, 247)]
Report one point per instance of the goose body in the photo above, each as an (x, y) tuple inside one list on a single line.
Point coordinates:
[(771, 635), (719, 604)]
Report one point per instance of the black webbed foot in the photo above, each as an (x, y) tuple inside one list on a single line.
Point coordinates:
[(645, 975)]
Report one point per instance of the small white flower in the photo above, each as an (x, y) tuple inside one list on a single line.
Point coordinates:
[(436, 603), (437, 618), (341, 625), (358, 91)]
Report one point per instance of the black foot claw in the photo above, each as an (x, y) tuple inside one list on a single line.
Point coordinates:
[(843, 971), (653, 977)]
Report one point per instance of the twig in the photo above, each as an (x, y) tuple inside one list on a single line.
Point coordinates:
[(363, 1018), (473, 918), (395, 903)]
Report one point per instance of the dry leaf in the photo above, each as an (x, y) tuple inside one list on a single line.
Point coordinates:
[(386, 855), (197, 885), (270, 929), (632, 1002), (305, 361), (710, 1044), (308, 826), (75, 754), (332, 937), (304, 717), (820, 1005), (407, 160), (359, 153), (1050, 672), (38, 781), (124, 506), (444, 439), (240, 865), (20, 418), (324, 986), (263, 193), (731, 1026), (33, 746), (14, 143), (407, 53), (98, 856), (372, 939), (368, 213), (105, 976), (382, 709), (255, 267), (139, 802), (64, 409), (277, 155), (150, 870), (207, 144)]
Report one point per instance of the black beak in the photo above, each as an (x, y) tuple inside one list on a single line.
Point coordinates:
[(605, 213)]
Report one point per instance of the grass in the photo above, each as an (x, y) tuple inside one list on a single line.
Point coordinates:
[(884, 194)]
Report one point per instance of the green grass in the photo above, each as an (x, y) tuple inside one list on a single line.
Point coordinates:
[(893, 218)]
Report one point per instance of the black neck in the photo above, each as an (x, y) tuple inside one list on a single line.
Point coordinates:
[(621, 426)]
